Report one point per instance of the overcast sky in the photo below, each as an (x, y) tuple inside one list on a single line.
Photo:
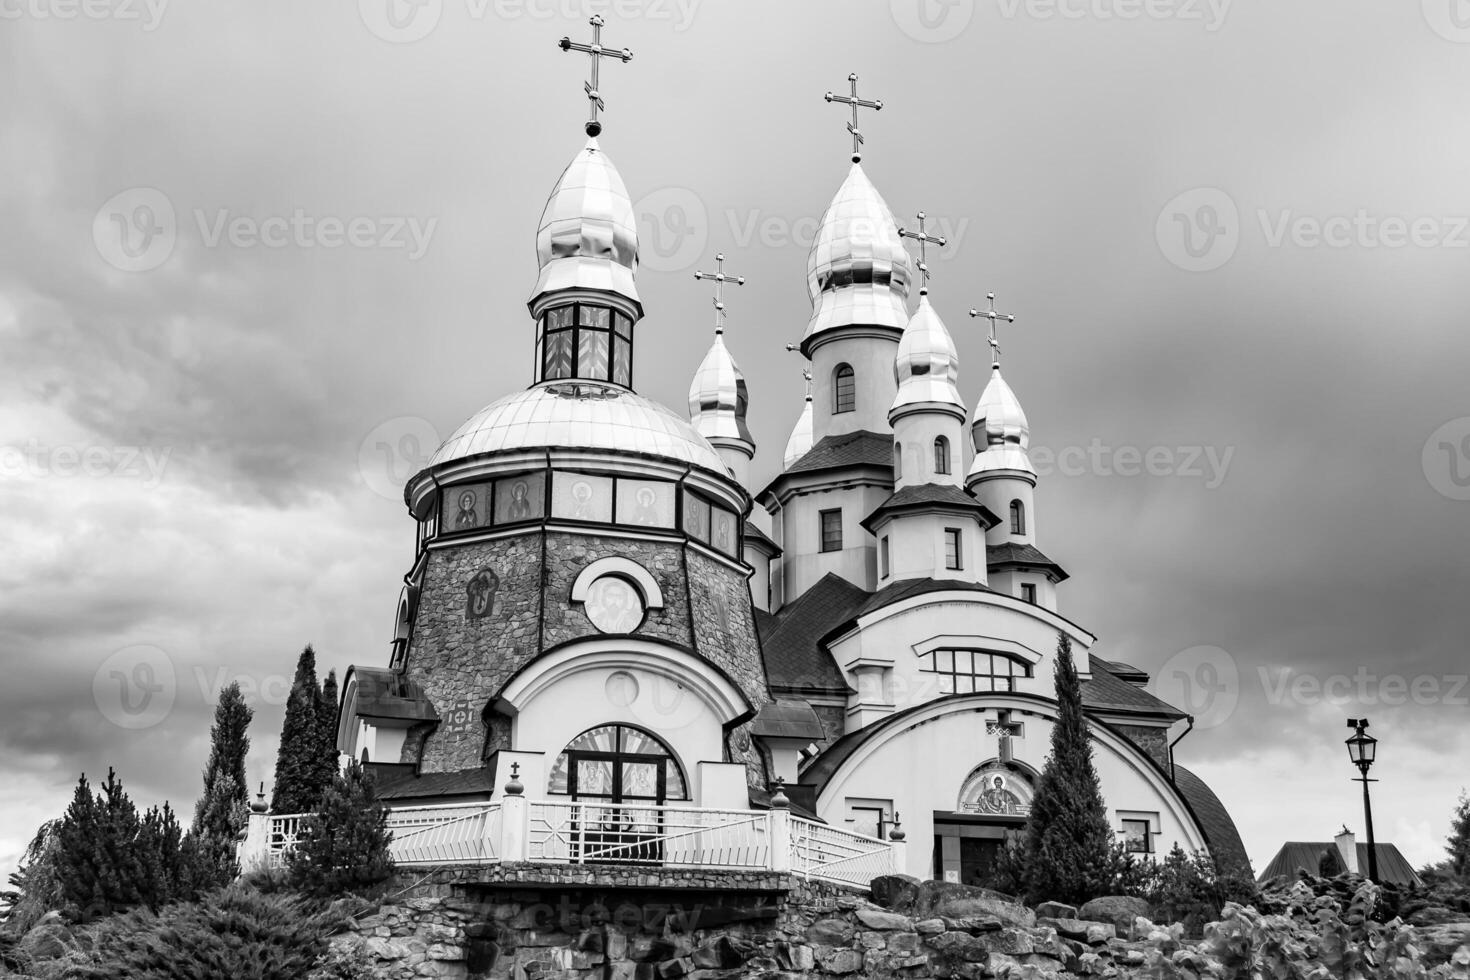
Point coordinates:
[(258, 258)]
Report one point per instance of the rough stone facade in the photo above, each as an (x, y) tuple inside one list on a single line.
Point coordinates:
[(1153, 741), (463, 660)]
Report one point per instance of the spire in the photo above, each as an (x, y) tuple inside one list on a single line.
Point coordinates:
[(800, 442), (717, 396)]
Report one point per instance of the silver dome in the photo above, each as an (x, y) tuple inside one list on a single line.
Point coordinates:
[(1000, 430), (588, 235), (927, 365), (800, 442), (717, 396)]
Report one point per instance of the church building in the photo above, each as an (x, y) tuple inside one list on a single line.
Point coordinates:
[(593, 615)]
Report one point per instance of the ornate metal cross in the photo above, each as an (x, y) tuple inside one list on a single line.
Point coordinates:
[(856, 103), (924, 239), (597, 53), (1006, 729), (719, 277), (993, 316)]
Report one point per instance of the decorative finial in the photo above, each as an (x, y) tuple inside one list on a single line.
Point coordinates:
[(260, 805), (805, 372), (597, 53), (856, 103), (896, 834), (514, 787), (779, 799), (924, 240), (993, 316), (719, 277)]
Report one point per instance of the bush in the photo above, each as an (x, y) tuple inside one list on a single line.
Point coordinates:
[(343, 848), (1188, 889)]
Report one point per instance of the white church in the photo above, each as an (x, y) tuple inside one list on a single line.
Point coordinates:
[(594, 625)]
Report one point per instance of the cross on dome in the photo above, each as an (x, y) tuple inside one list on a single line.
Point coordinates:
[(856, 103), (991, 315), (719, 277), (597, 52), (924, 239)]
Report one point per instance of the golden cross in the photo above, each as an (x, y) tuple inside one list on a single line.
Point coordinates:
[(597, 53), (924, 240), (719, 277), (856, 103), (993, 316)]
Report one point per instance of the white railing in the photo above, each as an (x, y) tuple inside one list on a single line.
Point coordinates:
[(822, 851), (665, 836), (515, 829)]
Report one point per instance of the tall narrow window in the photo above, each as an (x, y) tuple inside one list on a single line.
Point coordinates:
[(898, 461), (844, 389), (941, 455), (954, 544), (581, 340), (883, 556), (1018, 517), (831, 530), (1028, 592)]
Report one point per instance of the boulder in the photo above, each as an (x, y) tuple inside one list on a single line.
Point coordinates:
[(830, 932), (896, 892), (874, 919), (721, 953), (1120, 910), (950, 900), (1074, 928), (1056, 910), (1439, 943)]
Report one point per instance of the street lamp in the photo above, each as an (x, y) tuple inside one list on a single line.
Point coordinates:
[(1362, 749)]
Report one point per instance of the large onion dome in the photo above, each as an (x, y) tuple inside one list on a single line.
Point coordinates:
[(927, 365), (1000, 430), (717, 397), (588, 235), (858, 271)]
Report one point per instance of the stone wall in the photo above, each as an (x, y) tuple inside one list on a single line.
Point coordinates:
[(1153, 741)]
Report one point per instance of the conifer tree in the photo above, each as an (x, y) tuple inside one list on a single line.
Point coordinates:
[(1459, 840), (326, 714), (228, 746), (298, 770), (162, 876), (98, 866), (344, 845), (1069, 852)]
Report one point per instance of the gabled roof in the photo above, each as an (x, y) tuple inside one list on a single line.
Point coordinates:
[(924, 496), (795, 659), (861, 448), (908, 588), (1221, 834), (1297, 856), (1026, 555), (1106, 691)]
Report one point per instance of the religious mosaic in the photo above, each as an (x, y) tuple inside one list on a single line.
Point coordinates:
[(581, 497), (722, 530), (480, 593), (466, 507), (613, 605), (696, 517), (648, 503), (996, 789), (520, 498)]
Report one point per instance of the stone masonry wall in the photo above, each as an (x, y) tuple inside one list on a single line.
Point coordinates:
[(1153, 741)]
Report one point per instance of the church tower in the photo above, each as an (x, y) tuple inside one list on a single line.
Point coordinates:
[(717, 395)]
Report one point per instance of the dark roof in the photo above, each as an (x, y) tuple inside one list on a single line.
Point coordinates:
[(859, 448), (1126, 672), (751, 531), (1106, 691), (790, 640), (908, 588), (1297, 856), (389, 694), (788, 719), (461, 782), (1223, 838), (925, 495), (1011, 553)]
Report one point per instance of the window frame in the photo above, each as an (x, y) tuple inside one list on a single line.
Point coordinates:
[(945, 662), (618, 335), (954, 549), (883, 557), (1146, 837), (941, 456), (1018, 517), (1028, 592), (822, 518), (844, 377)]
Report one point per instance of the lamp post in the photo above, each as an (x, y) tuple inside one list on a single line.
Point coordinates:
[(1362, 749)]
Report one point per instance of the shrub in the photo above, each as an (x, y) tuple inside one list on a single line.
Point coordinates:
[(343, 847)]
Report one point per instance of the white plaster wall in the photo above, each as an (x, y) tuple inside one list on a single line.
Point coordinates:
[(997, 494), (872, 363), (760, 582), (804, 564), (915, 433), (916, 548)]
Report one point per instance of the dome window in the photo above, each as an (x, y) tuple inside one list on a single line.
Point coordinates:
[(844, 390), (1018, 517), (941, 456), (583, 340)]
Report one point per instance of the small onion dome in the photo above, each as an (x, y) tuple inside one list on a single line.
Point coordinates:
[(585, 415), (717, 397), (858, 271), (588, 236), (927, 366), (1000, 430), (800, 442)]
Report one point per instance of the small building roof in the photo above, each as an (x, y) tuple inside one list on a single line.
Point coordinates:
[(387, 694), (1296, 856), (788, 719), (471, 784), (1024, 555), (923, 496), (1105, 691), (861, 448), (791, 639)]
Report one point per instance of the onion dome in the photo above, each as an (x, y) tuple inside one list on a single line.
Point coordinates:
[(717, 397), (858, 271), (588, 236), (927, 366), (582, 415), (800, 442), (1000, 430)]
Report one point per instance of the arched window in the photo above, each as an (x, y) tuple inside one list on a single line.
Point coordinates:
[(898, 461), (844, 389), (941, 455), (1018, 517), (618, 764)]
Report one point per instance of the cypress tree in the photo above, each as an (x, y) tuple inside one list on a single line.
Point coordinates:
[(298, 781), (228, 747), (1068, 845), (326, 714), (344, 845)]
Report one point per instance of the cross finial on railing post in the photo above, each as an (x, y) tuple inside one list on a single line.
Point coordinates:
[(514, 787), (779, 798), (896, 832)]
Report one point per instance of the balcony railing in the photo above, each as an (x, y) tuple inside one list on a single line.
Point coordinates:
[(515, 829)]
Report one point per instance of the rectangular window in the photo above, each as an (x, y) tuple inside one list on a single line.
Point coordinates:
[(1028, 592), (696, 517), (1137, 836), (973, 671), (582, 497), (520, 498), (871, 817), (953, 548), (883, 556), (831, 530)]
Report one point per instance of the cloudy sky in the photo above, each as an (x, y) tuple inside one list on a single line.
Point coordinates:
[(258, 258)]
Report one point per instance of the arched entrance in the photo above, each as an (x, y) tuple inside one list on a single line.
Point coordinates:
[(994, 802), (620, 776)]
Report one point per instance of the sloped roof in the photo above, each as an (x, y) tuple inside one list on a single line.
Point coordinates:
[(790, 640), (388, 694), (1221, 834), (461, 782), (751, 531), (908, 588), (1012, 553), (1297, 856), (788, 719), (1127, 672), (1106, 691), (931, 495), (861, 448)]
